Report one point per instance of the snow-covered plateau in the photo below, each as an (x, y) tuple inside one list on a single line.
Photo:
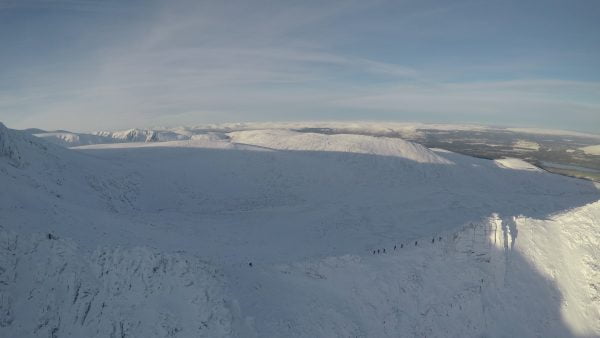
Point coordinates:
[(274, 233)]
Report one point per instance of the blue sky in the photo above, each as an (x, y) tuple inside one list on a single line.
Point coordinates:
[(111, 64)]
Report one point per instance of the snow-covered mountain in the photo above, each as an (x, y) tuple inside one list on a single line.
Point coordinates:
[(69, 139), (383, 146), (392, 129), (132, 135), (347, 235)]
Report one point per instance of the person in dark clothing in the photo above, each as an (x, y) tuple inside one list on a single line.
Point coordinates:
[(415, 243), (433, 240), (383, 250), (439, 239), (401, 246), (250, 264), (394, 247), (373, 252), (377, 250)]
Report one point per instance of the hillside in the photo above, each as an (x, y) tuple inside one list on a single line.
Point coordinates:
[(155, 239)]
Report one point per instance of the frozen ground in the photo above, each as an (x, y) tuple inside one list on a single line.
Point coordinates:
[(155, 239)]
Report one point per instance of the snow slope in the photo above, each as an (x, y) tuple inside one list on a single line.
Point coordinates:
[(515, 163), (180, 221), (8, 147), (517, 277), (48, 287), (383, 146)]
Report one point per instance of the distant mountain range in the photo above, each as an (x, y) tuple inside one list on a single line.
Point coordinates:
[(563, 152)]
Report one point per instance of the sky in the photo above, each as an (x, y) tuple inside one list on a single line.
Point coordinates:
[(85, 65)]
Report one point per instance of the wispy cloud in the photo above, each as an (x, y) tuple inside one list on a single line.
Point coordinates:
[(190, 62), (527, 101)]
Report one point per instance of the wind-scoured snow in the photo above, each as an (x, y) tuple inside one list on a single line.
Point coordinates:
[(158, 238)]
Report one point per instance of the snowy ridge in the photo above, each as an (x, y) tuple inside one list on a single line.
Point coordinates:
[(202, 141), (67, 139), (383, 146), (541, 276), (50, 288), (22, 149), (131, 135), (7, 145), (44, 174)]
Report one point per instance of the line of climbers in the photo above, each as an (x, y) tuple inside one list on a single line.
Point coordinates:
[(375, 252), (380, 251)]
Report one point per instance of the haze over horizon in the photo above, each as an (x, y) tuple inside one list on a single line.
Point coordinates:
[(85, 64)]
